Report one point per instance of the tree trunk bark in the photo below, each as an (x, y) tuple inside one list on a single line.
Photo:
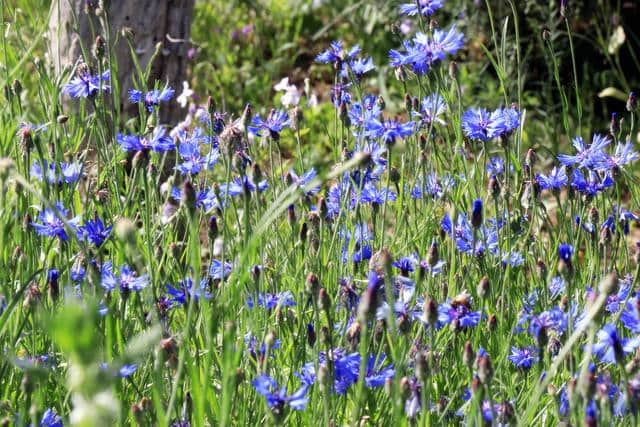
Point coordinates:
[(151, 21)]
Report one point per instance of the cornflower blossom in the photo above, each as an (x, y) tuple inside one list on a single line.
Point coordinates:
[(57, 172), (52, 224), (623, 155), (216, 271), (274, 124), (50, 418), (586, 157), (475, 124), (514, 259), (557, 286), (127, 279), (271, 301), (84, 85), (336, 53), (503, 121), (556, 179), (592, 185), (347, 370), (94, 231), (192, 159), (152, 98), (362, 113), (611, 348), (205, 199), (466, 318), (431, 108), (486, 239), (258, 353), (277, 397), (388, 130), (360, 249), (359, 67), (406, 264), (630, 317), (241, 186), (623, 218), (422, 52), (184, 290), (424, 7), (523, 358), (376, 196), (159, 142), (495, 166), (302, 181)]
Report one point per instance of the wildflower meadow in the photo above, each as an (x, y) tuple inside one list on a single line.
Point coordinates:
[(365, 213)]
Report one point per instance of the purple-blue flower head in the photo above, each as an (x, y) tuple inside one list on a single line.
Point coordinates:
[(277, 397), (152, 98), (94, 231), (587, 157), (159, 141), (57, 172), (50, 418), (52, 224), (85, 85), (274, 124), (424, 7), (556, 179), (611, 348), (523, 358)]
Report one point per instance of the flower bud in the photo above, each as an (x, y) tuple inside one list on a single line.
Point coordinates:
[(476, 213), (631, 102)]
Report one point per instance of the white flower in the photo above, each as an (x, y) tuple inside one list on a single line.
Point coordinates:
[(183, 99), (291, 95)]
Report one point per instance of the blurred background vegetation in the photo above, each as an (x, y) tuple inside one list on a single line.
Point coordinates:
[(242, 48)]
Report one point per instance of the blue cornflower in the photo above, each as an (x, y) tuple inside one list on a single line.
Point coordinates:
[(152, 98), (127, 280), (302, 181), (193, 160), (94, 231), (78, 273), (376, 375), (503, 121), (514, 259), (565, 252), (556, 179), (624, 216), (475, 124), (216, 270), (159, 141), (340, 195), (591, 186), (362, 66), (421, 52), (587, 157), (85, 85), (424, 7), (50, 418), (495, 166), (557, 286), (610, 348), (524, 358), (622, 156), (57, 173), (274, 124), (361, 236), (336, 53), (205, 199), (339, 95), (277, 398), (432, 107), (51, 222), (259, 353), (630, 317), (388, 130), (360, 114), (406, 264), (241, 185), (445, 42), (447, 313), (185, 289), (127, 370), (271, 301), (376, 196)]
